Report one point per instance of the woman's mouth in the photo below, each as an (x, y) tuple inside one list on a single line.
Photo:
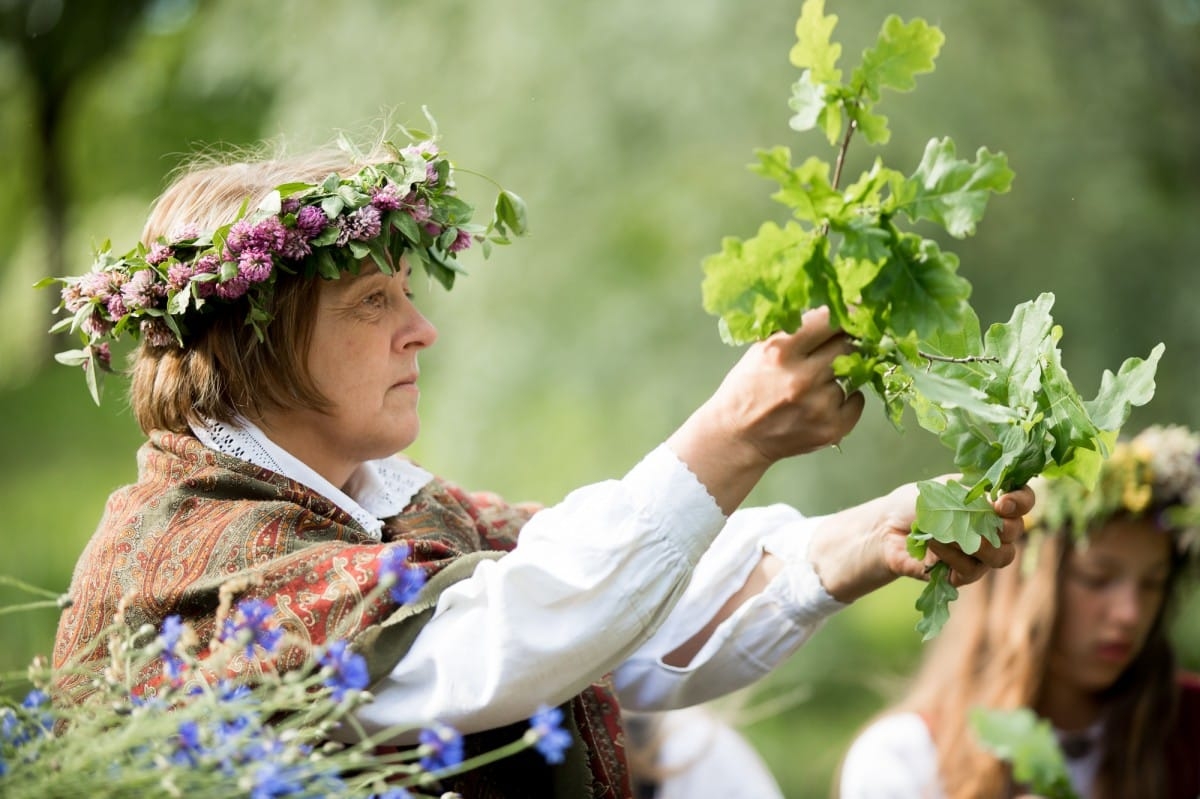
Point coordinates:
[(1114, 651)]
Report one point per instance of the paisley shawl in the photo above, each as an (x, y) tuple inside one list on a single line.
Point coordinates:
[(198, 520)]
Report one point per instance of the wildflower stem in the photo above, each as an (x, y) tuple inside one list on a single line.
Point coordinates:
[(470, 763), (49, 603), (24, 586)]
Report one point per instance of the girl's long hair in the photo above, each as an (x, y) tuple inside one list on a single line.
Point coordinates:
[(993, 653)]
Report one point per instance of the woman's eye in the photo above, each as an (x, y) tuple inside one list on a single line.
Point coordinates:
[(1094, 581), (1154, 585), (375, 300)]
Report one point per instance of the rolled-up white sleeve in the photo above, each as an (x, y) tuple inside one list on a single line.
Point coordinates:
[(756, 638), (589, 581)]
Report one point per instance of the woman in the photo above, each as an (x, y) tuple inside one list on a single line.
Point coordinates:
[(1079, 634), (277, 374)]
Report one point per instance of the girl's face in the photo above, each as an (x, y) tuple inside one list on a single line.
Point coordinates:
[(363, 359), (1110, 595)]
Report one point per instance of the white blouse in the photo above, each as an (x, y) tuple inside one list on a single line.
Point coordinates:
[(895, 758), (612, 579)]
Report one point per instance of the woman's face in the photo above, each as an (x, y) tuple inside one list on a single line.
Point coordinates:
[(363, 359), (1110, 595)]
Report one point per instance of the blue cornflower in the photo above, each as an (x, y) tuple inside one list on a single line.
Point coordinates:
[(34, 700), (172, 632), (253, 625), (406, 580), (443, 747), (552, 740), (188, 747), (274, 779), (169, 639), (391, 793), (10, 727), (348, 670)]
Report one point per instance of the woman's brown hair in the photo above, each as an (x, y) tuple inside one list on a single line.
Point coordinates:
[(223, 370)]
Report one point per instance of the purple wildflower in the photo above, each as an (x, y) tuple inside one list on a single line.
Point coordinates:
[(443, 747), (404, 579), (422, 148), (232, 288), (418, 209), (142, 289), (295, 245), (206, 265), (72, 297), (156, 333), (252, 624), (461, 242), (96, 325), (311, 221), (158, 254), (348, 670), (290, 206), (239, 236), (178, 275), (115, 305), (267, 235), (386, 198), (96, 285), (361, 225), (255, 265), (102, 353), (185, 232), (552, 739)]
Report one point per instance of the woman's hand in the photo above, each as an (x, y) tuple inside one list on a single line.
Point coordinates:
[(863, 548), (779, 400)]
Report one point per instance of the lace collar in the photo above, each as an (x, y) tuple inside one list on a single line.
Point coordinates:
[(377, 489)]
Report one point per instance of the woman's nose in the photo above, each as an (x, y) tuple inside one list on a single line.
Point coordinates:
[(1127, 603), (415, 331)]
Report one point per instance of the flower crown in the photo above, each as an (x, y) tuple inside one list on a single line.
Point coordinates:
[(1155, 475), (406, 205)]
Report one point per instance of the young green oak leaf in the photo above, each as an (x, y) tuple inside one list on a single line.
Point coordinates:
[(944, 514), (1026, 741), (1001, 401), (902, 51), (934, 602), (950, 191), (759, 286)]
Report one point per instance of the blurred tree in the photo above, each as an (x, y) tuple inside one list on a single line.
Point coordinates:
[(59, 48)]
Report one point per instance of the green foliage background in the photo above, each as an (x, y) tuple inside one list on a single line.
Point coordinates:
[(626, 126)]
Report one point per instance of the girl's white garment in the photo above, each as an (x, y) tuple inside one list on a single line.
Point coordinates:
[(703, 757), (612, 579), (895, 758)]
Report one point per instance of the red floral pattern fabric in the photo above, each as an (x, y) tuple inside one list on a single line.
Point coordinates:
[(198, 523)]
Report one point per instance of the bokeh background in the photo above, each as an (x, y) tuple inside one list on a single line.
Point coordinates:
[(626, 126)]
